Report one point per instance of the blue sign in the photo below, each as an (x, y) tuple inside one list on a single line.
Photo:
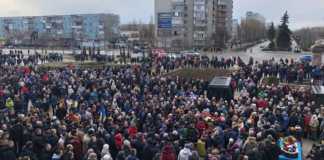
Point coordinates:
[(165, 20)]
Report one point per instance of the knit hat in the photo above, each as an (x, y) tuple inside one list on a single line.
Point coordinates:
[(127, 143)]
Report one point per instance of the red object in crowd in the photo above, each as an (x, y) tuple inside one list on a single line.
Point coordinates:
[(45, 77), (24, 90), (159, 53), (307, 119), (201, 126), (26, 70), (168, 153), (132, 131), (73, 117), (119, 141), (77, 147), (233, 84), (262, 103)]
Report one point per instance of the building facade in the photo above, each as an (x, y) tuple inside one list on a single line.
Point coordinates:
[(82, 27), (255, 16), (192, 23), (235, 30)]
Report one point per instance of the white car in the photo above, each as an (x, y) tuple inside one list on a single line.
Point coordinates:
[(174, 55), (190, 53), (137, 55)]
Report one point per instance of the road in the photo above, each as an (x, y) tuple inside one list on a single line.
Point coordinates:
[(259, 55)]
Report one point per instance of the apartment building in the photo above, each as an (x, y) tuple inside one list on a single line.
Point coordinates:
[(192, 23), (255, 16), (81, 27)]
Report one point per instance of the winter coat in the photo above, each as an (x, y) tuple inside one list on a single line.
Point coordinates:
[(132, 131), (77, 147), (38, 144), (7, 153), (271, 152), (192, 135), (184, 154), (201, 148), (118, 141), (168, 153), (148, 152), (46, 155)]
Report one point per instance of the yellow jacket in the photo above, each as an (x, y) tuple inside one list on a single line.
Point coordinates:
[(201, 148)]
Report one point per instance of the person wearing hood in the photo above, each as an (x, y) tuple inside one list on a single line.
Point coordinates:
[(105, 151), (10, 104), (185, 153), (168, 153)]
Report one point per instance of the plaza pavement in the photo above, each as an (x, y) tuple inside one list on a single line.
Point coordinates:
[(257, 53)]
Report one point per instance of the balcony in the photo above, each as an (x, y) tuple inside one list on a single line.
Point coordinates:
[(101, 32), (76, 27)]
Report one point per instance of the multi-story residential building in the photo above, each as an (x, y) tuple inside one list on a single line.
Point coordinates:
[(82, 27), (255, 16), (130, 32), (235, 29), (192, 23)]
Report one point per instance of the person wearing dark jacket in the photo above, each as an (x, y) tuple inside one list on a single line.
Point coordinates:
[(38, 142), (47, 154), (7, 151), (148, 151), (16, 133)]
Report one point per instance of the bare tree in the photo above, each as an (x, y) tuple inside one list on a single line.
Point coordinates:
[(251, 30), (308, 36)]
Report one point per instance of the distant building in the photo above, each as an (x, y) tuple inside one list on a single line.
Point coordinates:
[(137, 34), (235, 29), (130, 33), (192, 23), (255, 16), (81, 27), (130, 36)]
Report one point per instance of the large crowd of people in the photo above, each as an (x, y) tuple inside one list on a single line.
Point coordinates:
[(287, 70), (134, 113), (18, 58)]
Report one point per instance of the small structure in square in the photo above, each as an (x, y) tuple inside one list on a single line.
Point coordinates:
[(220, 87), (318, 50), (318, 94)]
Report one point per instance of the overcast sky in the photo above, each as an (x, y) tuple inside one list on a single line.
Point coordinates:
[(302, 12)]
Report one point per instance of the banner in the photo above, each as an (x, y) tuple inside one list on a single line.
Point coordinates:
[(165, 20)]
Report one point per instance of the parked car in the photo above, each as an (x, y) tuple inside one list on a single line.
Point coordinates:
[(174, 55), (306, 58), (190, 53)]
